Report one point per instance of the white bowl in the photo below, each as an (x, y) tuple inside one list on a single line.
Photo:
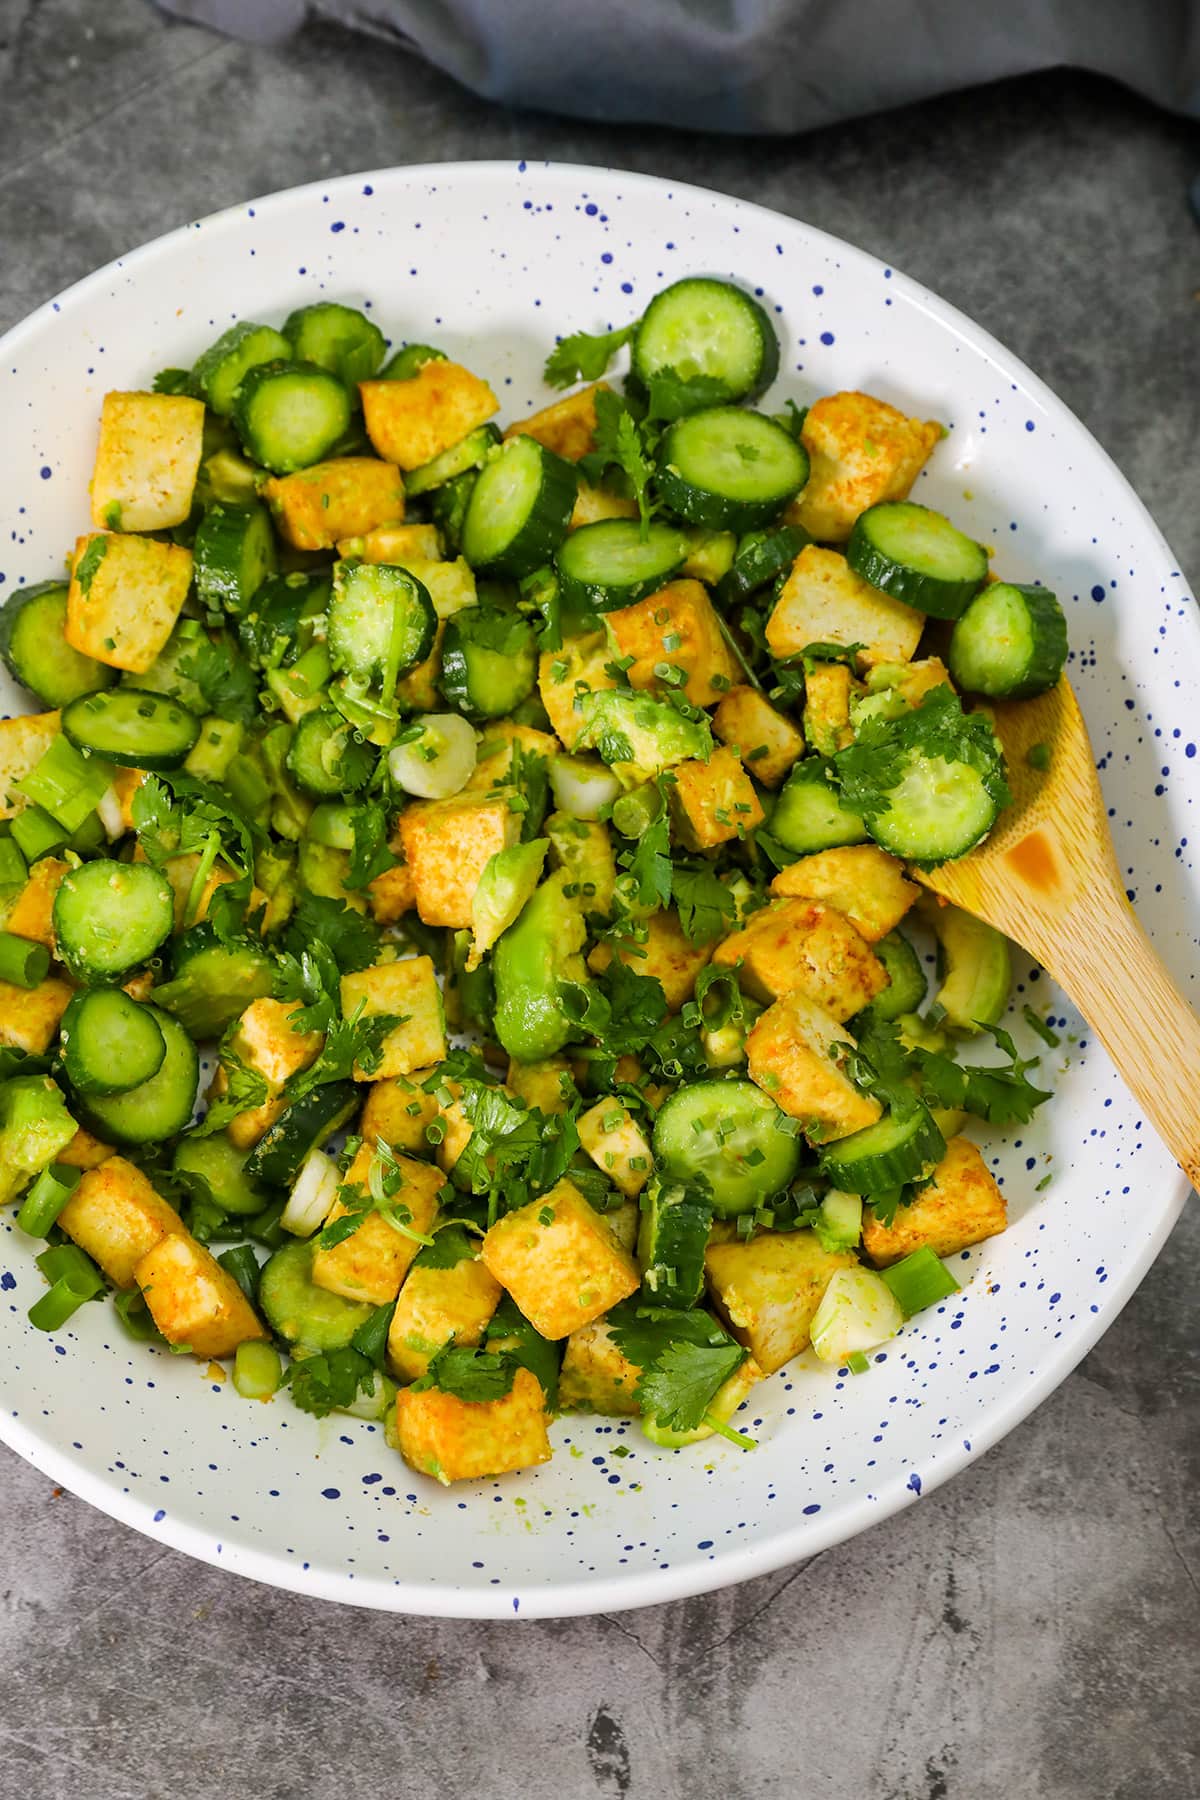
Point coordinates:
[(490, 261)]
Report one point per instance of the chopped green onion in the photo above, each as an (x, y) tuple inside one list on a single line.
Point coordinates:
[(22, 962), (36, 834), (371, 1337), (857, 1363), (67, 784), (12, 864), (136, 1316), (46, 1199), (73, 1278), (919, 1280), (257, 1370), (265, 1227), (1043, 1030), (242, 1264)]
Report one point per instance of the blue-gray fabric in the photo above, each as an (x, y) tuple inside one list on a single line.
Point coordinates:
[(751, 65)]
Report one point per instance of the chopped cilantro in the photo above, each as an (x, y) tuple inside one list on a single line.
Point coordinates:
[(89, 562), (472, 1375), (706, 906), (584, 355)]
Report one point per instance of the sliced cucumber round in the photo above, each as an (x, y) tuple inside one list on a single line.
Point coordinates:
[(299, 1311), (901, 1147), (381, 621), (672, 1237), (906, 978), (291, 414), (280, 1152), (336, 337), (808, 815), (133, 727), (35, 651), (1010, 643), (614, 563), (762, 556), (109, 1043), (519, 509), (403, 364), (730, 469), (219, 1169), (110, 916), (213, 981), (234, 552), (156, 1109), (219, 373), (327, 757), (729, 1140), (916, 555), (938, 809), (489, 661), (710, 331)]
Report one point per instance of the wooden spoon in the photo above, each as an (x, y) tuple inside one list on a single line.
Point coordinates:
[(1048, 878)]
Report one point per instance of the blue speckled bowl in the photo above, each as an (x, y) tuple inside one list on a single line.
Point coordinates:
[(490, 260)]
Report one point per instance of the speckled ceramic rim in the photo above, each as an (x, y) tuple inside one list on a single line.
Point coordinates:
[(797, 1541)]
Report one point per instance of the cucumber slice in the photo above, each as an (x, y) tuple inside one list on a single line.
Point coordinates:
[(109, 1043), (36, 653), (1010, 643), (381, 622), (327, 758), (409, 361), (469, 454), (906, 978), (918, 556), (278, 629), (900, 1147), (706, 330), (234, 552), (156, 1109), (219, 373), (613, 563), (938, 809), (213, 982), (808, 816), (337, 338), (111, 916), (165, 674), (729, 468), (489, 661), (218, 1169), (762, 557), (448, 509), (280, 1152), (132, 727), (519, 509), (672, 1237), (291, 414), (300, 1312), (728, 1140), (976, 969)]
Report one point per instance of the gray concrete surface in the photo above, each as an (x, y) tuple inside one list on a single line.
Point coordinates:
[(1030, 1632)]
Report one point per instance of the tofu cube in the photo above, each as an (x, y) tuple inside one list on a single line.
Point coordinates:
[(596, 1376), (409, 990), (466, 1440), (398, 1112), (713, 802), (436, 1305), (33, 910), (565, 675), (29, 1017), (400, 544), (499, 743), (767, 743), (824, 602), (594, 504), (960, 1206), (912, 681), (864, 884), (861, 451), (803, 944), (195, 1303), (180, 871), (126, 783), (84, 1151), (617, 1145), (115, 1216), (264, 1040), (559, 1260), (344, 497), (23, 743), (125, 596), (391, 894), (447, 846), (411, 422), (664, 953), (548, 1085), (372, 1262), (147, 461), (568, 427), (676, 628), (794, 1052), (767, 1288), (827, 690)]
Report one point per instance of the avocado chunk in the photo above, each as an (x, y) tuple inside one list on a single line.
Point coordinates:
[(34, 1126), (531, 961), (640, 736)]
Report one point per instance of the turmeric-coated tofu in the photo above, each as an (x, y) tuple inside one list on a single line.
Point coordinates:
[(560, 1261), (961, 1205), (664, 953), (804, 944), (767, 743), (501, 742), (824, 602), (594, 504), (795, 1052), (910, 682), (768, 1288), (125, 595), (579, 667), (596, 1376), (828, 687), (392, 894), (410, 422), (547, 1085), (861, 881), (85, 1151), (264, 1040), (116, 1215), (147, 461), (407, 989), (400, 544), (861, 451), (196, 1304), (436, 1305), (372, 1262), (617, 1144), (568, 426), (32, 913), (344, 497), (23, 743), (466, 1440), (447, 846), (676, 630), (398, 1110), (29, 1017), (713, 802)]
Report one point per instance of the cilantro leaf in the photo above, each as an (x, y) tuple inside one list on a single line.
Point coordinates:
[(1001, 1094), (650, 865), (471, 1375), (620, 444), (173, 381), (321, 1384), (510, 1332), (514, 1152), (622, 1011), (225, 679), (89, 562), (584, 355), (671, 395), (684, 1356), (705, 904), (452, 1243), (245, 1088), (371, 855), (351, 938)]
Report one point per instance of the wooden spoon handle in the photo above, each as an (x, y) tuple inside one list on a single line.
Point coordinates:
[(1106, 963)]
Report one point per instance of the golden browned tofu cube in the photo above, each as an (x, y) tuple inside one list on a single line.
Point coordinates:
[(616, 1144), (400, 544), (564, 676), (391, 894), (861, 451), (548, 1084), (466, 1440), (803, 944), (372, 1262), (115, 1216), (125, 596), (264, 1040), (768, 1289), (407, 989), (912, 681), (181, 871), (447, 846), (196, 1304), (436, 1305), (398, 1112), (664, 953), (344, 497), (29, 1017), (827, 690), (594, 504), (33, 910), (84, 1151), (411, 422), (795, 1053), (713, 802), (767, 743), (23, 743), (596, 1376), (147, 461), (560, 1261), (499, 742), (824, 602), (960, 1206), (568, 427), (675, 628), (862, 881), (126, 783)]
